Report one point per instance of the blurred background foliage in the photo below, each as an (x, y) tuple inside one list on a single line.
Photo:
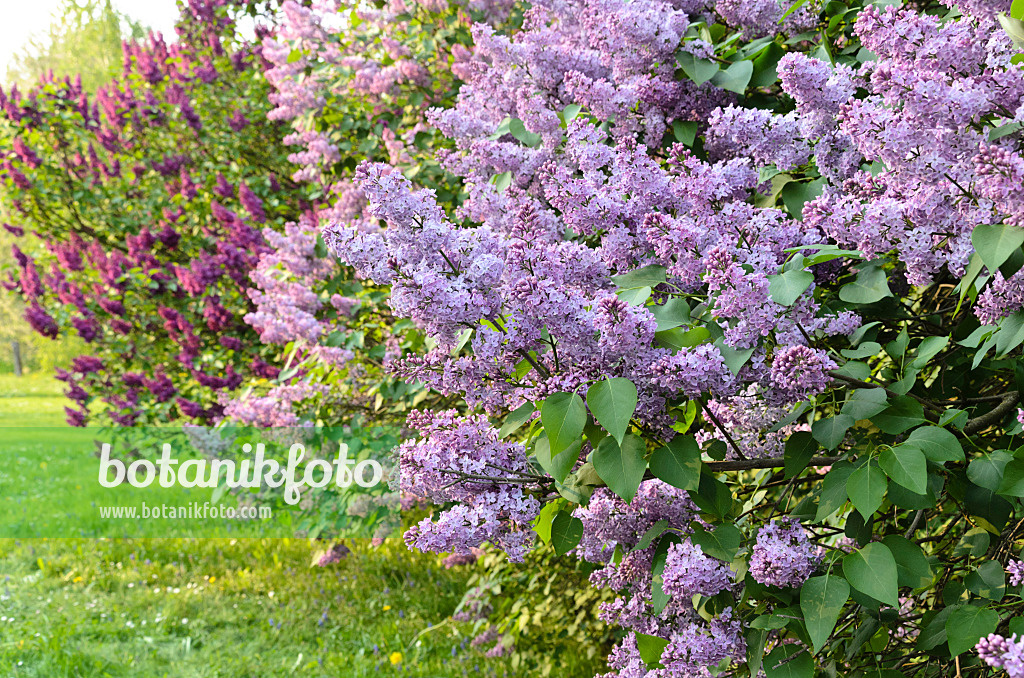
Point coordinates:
[(84, 38)]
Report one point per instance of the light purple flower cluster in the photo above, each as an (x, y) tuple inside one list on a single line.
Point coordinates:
[(1015, 568), (938, 175), (610, 525), (783, 556), (799, 372), (689, 572), (490, 509), (1003, 653), (335, 554)]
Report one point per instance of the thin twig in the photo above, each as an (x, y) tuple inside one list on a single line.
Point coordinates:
[(710, 415), (867, 384)]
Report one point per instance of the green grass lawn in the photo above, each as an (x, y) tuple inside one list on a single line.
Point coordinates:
[(31, 400), (200, 608)]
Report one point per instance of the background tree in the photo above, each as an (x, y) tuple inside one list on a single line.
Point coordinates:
[(83, 39)]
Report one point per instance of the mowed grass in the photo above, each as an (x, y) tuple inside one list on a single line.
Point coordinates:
[(204, 608), (31, 400), (212, 607)]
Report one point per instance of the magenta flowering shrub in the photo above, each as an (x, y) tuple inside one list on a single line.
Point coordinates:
[(140, 213)]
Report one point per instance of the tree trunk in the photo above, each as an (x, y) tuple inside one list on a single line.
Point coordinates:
[(16, 350)]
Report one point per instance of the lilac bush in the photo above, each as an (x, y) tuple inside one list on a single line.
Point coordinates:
[(717, 263)]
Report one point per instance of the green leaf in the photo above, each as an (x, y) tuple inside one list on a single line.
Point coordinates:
[(800, 447), (542, 524), (987, 471), (635, 296), (866, 488), (502, 181), (792, 8), (830, 432), (938, 444), (671, 314), (1010, 333), (821, 601), (833, 491), (872, 571), (698, 70), (988, 581), (678, 463), (503, 129), (733, 358), (570, 113), (954, 417), (967, 625), (1012, 483), (994, 243), (933, 631), (677, 338), (974, 543), (651, 534), (787, 287), (722, 543), (779, 665), (770, 622), (907, 466), (650, 648), (927, 350), (827, 253), (865, 350), (566, 532), (756, 639), (735, 77), (685, 131), (869, 286), (903, 412), (797, 193), (865, 403), (518, 130), (613, 402), (712, 496), (648, 276), (578, 487), (564, 415), (557, 467), (621, 467), (912, 565), (515, 420)]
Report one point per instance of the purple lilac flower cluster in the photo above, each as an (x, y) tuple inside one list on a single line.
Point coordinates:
[(1003, 653), (783, 556), (939, 174), (461, 459), (1015, 568)]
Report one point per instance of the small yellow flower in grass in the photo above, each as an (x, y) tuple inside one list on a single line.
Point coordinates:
[(213, 579), (76, 580), (387, 607), (396, 658)]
